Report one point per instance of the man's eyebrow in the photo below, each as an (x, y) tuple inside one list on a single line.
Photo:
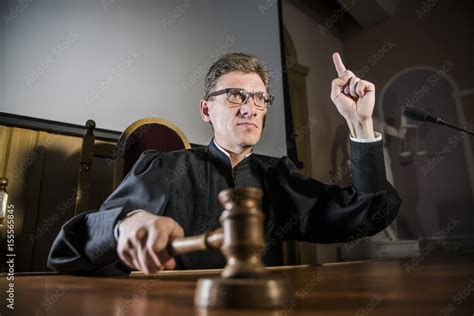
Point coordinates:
[(252, 90), (256, 90)]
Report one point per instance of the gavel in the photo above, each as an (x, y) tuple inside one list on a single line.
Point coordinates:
[(244, 282)]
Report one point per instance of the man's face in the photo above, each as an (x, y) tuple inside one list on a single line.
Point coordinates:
[(236, 127)]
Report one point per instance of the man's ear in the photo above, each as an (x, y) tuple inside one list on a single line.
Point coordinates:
[(204, 109)]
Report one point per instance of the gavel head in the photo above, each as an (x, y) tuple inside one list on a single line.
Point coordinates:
[(244, 240)]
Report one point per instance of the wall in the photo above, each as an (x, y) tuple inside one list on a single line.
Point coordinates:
[(70, 61), (430, 37), (314, 50), (417, 35)]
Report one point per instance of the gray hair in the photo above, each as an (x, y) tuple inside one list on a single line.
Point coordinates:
[(235, 62)]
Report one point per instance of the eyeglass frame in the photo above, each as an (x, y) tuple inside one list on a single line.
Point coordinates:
[(248, 93)]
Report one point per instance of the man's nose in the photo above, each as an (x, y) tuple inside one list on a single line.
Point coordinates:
[(249, 108)]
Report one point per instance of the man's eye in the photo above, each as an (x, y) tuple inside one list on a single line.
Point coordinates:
[(236, 96), (260, 97)]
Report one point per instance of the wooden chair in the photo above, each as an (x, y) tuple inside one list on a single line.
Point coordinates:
[(3, 206), (91, 149), (149, 133)]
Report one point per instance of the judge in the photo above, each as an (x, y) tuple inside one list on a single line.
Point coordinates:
[(170, 195)]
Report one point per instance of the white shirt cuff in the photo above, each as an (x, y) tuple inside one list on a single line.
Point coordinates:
[(377, 138)]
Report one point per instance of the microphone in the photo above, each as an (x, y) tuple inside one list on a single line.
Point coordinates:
[(421, 115)]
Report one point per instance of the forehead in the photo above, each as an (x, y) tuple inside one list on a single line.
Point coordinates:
[(237, 79)]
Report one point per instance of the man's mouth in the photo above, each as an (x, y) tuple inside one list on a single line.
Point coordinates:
[(248, 124)]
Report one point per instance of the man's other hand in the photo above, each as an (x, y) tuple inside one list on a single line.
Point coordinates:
[(143, 241), (354, 99)]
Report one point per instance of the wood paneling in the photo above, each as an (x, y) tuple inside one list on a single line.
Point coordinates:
[(42, 170)]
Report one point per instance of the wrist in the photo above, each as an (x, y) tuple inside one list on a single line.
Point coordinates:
[(125, 217), (361, 128)]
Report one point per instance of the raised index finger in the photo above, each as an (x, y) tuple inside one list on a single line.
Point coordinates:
[(340, 68)]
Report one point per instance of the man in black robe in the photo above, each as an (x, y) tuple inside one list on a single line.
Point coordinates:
[(170, 195)]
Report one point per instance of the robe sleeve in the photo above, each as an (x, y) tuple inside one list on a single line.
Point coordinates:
[(309, 210), (86, 243)]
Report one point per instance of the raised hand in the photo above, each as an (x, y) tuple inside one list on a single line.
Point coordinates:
[(354, 99)]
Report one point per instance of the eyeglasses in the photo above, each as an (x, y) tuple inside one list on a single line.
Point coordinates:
[(241, 96)]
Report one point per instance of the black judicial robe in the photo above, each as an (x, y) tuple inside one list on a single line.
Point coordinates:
[(184, 185)]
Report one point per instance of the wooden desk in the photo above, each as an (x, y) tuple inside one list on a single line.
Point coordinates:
[(431, 286)]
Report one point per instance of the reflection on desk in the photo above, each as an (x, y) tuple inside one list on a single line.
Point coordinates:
[(425, 286)]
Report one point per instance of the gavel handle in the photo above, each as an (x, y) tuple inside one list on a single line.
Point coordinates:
[(210, 240)]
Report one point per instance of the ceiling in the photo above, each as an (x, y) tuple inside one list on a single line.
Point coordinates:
[(345, 17)]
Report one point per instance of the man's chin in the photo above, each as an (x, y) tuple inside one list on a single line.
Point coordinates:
[(249, 141), (248, 138)]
